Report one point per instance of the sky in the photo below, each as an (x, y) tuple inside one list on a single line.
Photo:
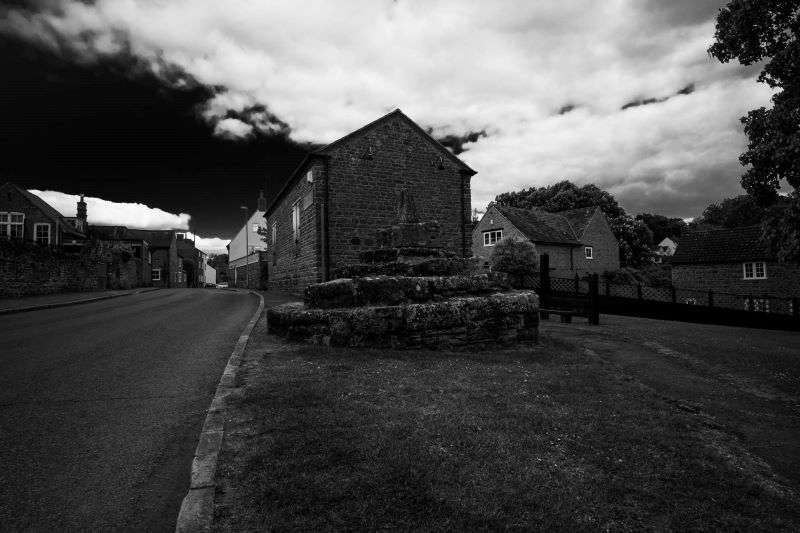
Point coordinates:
[(191, 107)]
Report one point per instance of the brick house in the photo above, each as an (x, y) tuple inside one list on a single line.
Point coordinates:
[(26, 217), (738, 267), (578, 241), (331, 205), (167, 268)]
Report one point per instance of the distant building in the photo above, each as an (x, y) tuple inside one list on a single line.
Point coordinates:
[(738, 267), (664, 250), (210, 274), (577, 241), (331, 205), (166, 265), (246, 260)]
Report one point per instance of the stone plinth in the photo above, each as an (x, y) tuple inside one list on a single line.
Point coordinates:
[(491, 320)]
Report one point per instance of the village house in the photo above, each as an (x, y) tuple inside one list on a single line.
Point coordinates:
[(737, 267), (26, 217), (577, 241), (167, 267), (246, 258), (331, 205), (664, 250)]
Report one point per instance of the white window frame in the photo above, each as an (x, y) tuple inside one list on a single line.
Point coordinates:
[(5, 226), (753, 270), (588, 252), (153, 273), (296, 219), (36, 227), (274, 232), (492, 236)]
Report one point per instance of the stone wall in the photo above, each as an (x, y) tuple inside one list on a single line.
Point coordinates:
[(367, 173), (250, 275), (604, 245), (27, 269)]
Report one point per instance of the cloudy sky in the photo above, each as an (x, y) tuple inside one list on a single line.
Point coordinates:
[(191, 106)]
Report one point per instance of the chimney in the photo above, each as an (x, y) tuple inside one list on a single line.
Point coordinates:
[(262, 202), (80, 220)]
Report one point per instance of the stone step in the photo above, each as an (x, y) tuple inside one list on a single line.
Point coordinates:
[(500, 318), (396, 290)]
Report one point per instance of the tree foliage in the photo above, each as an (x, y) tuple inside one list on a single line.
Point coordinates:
[(515, 257), (662, 226), (753, 31), (220, 263), (634, 237)]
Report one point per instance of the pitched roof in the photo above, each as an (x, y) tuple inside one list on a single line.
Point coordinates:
[(326, 150), (579, 218), (156, 238), (722, 246), (114, 232), (539, 225), (48, 210)]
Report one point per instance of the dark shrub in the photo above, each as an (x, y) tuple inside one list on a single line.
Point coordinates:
[(517, 258)]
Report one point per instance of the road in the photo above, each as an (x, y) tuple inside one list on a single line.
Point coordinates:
[(101, 406)]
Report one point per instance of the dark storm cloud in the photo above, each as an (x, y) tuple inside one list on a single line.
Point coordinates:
[(456, 142)]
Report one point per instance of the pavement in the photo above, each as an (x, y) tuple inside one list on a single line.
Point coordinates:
[(101, 406), (12, 305)]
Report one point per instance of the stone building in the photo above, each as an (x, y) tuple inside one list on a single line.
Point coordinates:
[(167, 267), (738, 267), (578, 241), (329, 208)]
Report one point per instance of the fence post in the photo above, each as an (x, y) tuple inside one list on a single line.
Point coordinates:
[(674, 294), (639, 290), (594, 299), (544, 282), (710, 298)]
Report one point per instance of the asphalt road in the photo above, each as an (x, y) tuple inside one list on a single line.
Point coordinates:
[(101, 406)]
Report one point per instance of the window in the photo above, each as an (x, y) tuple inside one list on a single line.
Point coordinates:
[(255, 228), (41, 233), (156, 274), (690, 301), (310, 176), (756, 270), (760, 305), (296, 220), (490, 238), (12, 225), (180, 236), (308, 199), (588, 252), (274, 232)]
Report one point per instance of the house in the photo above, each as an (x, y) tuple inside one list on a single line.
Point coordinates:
[(26, 217), (330, 206), (192, 259), (246, 259), (737, 266), (210, 275), (577, 241), (127, 255), (664, 250), (167, 267)]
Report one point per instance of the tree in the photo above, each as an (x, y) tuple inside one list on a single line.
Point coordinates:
[(736, 212), (766, 30), (634, 237), (662, 226), (220, 263), (515, 257)]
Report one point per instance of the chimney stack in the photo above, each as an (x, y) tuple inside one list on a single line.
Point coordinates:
[(80, 220), (262, 202)]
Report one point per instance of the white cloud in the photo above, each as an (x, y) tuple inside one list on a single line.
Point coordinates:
[(504, 67), (132, 215)]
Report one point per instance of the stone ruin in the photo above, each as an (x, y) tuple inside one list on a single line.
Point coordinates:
[(410, 292)]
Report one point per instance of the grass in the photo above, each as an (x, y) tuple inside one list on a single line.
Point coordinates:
[(547, 437)]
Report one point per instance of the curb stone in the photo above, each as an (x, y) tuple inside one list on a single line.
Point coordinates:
[(197, 508), (12, 310)]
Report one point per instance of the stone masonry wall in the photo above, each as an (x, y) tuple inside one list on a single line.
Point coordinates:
[(295, 263), (783, 280), (604, 245), (368, 172), (27, 269)]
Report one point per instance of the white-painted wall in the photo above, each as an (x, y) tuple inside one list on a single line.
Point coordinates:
[(211, 274), (236, 249)]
